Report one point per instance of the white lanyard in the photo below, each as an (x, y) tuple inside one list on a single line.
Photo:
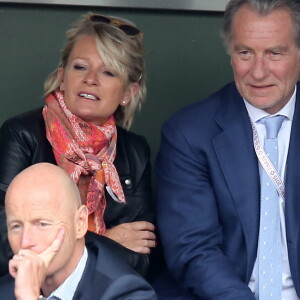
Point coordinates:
[(267, 164)]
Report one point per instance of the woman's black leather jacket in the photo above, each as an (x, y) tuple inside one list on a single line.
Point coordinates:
[(23, 143)]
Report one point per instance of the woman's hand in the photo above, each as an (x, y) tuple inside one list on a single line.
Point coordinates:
[(137, 236), (29, 269)]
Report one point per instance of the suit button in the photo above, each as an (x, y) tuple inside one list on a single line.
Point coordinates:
[(128, 182)]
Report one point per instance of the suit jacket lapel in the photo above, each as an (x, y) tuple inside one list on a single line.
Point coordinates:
[(93, 282), (292, 188), (238, 161)]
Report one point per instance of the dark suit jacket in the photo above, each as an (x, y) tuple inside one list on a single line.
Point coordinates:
[(105, 277), (209, 197), (23, 143)]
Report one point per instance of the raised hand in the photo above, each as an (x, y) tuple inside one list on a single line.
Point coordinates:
[(29, 268)]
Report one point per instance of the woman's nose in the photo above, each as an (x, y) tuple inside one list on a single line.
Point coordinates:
[(91, 78)]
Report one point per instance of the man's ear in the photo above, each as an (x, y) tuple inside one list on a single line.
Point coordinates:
[(131, 91), (81, 221), (60, 76)]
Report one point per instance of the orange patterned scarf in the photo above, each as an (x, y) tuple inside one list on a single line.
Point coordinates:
[(82, 148)]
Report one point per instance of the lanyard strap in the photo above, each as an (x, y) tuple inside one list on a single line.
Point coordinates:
[(267, 164)]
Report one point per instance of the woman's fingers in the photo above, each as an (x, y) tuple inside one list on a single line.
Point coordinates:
[(142, 225), (136, 236)]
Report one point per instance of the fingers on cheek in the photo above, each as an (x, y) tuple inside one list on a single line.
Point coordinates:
[(26, 261), (12, 263), (13, 267), (15, 260)]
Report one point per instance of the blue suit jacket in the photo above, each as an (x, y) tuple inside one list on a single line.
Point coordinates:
[(105, 277), (208, 197)]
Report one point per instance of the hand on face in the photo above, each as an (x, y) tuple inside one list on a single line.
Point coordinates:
[(136, 236), (29, 268)]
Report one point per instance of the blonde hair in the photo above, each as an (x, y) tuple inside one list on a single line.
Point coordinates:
[(121, 52)]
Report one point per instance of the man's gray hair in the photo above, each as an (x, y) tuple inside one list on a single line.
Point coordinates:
[(262, 7)]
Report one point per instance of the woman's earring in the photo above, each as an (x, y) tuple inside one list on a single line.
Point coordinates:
[(123, 102)]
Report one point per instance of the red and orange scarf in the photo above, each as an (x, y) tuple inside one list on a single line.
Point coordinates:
[(82, 148)]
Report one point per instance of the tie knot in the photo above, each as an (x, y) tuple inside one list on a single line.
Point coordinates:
[(273, 125)]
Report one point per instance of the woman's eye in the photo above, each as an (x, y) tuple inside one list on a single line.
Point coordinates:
[(79, 67), (109, 73)]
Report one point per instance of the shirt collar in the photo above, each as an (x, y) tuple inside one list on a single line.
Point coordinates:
[(68, 288), (257, 114)]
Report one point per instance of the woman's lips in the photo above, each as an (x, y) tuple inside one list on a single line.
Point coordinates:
[(89, 96)]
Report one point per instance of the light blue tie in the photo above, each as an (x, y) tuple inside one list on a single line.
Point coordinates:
[(269, 246)]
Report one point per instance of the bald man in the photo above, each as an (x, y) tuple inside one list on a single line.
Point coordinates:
[(46, 225)]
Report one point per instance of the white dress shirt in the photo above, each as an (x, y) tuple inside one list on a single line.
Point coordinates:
[(256, 114)]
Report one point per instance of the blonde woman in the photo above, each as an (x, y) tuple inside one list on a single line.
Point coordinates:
[(90, 102)]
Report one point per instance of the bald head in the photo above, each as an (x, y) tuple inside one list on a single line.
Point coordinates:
[(40, 202), (44, 180)]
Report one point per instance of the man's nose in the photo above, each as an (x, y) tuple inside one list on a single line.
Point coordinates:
[(28, 237), (260, 68)]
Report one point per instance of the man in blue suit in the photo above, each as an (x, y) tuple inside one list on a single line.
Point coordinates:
[(208, 171), (46, 230)]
